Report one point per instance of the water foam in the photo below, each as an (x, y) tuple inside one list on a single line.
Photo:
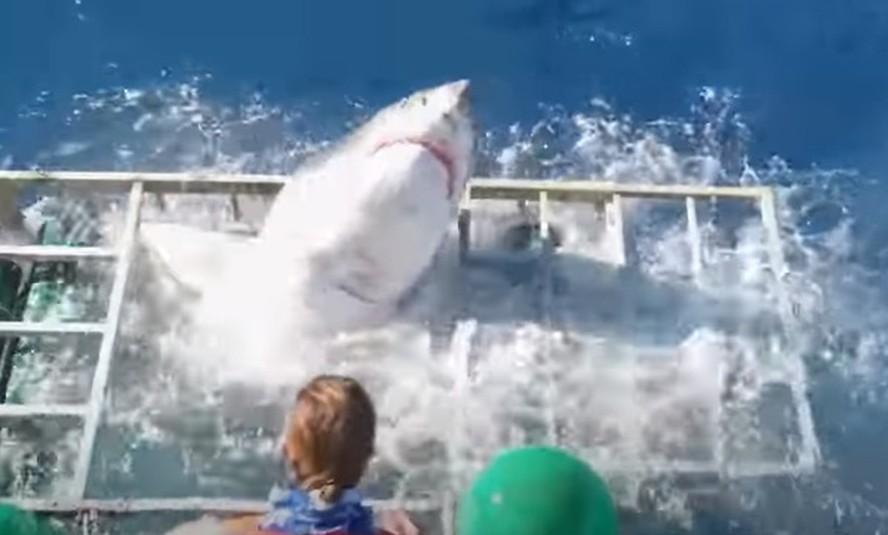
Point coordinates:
[(223, 432)]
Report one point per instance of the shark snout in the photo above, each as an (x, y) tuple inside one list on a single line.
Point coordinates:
[(460, 91)]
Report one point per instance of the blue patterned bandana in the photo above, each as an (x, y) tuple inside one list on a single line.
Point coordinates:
[(296, 512)]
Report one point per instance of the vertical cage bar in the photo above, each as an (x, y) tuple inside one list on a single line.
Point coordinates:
[(694, 237), (546, 306), (810, 450), (106, 350), (615, 231)]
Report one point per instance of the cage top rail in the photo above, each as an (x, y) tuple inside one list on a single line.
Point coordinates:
[(479, 187)]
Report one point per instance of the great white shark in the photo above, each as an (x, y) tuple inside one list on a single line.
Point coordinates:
[(343, 240)]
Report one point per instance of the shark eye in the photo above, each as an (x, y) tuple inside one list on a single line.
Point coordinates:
[(425, 100)]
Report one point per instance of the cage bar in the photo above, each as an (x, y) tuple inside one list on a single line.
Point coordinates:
[(106, 350)]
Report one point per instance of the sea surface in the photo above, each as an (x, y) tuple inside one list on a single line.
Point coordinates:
[(779, 92)]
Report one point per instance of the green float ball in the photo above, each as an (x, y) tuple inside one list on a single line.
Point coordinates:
[(537, 491), (15, 521)]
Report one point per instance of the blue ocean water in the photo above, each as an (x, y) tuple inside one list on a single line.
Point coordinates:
[(800, 81)]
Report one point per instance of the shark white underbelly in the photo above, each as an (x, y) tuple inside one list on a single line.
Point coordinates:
[(343, 241)]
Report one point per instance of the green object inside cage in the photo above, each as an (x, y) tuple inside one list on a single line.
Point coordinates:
[(10, 279), (44, 287), (15, 521), (10, 282)]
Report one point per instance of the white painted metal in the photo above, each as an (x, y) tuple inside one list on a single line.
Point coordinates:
[(480, 187), (32, 328), (546, 298), (634, 467), (218, 505), (544, 214), (593, 191), (615, 231), (448, 514), (153, 182), (106, 350), (694, 236), (54, 252), (809, 454), (8, 410), (701, 468)]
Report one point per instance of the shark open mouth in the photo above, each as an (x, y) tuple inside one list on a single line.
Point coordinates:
[(437, 150)]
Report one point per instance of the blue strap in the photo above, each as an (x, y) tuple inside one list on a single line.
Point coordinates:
[(298, 513)]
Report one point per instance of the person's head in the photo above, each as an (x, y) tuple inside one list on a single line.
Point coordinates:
[(329, 435), (537, 491)]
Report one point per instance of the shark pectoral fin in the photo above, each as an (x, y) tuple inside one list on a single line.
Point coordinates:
[(192, 256)]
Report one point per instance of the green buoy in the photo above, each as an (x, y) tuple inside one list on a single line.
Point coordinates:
[(15, 521), (537, 491)]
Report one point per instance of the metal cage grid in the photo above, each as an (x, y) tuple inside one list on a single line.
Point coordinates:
[(607, 197)]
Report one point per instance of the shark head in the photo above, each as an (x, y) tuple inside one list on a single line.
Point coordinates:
[(439, 119), (343, 241)]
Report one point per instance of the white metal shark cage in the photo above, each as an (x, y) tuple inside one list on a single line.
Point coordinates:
[(607, 199)]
